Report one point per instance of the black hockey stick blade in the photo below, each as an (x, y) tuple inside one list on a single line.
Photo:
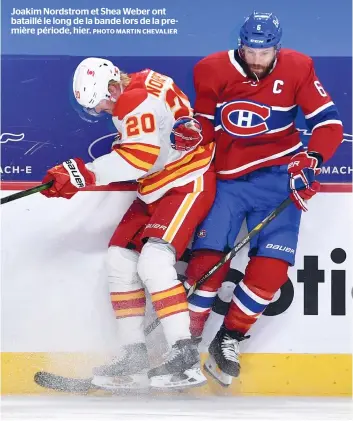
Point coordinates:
[(62, 384), (25, 193)]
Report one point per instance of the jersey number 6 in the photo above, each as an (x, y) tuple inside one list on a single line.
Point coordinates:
[(145, 123), (319, 88)]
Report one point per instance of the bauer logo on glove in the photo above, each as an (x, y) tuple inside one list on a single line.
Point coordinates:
[(186, 134), (68, 178), (303, 168), (76, 177)]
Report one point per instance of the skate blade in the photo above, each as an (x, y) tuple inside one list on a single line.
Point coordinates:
[(135, 382), (211, 367), (187, 379)]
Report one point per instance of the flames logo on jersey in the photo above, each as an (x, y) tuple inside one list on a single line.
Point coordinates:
[(245, 118)]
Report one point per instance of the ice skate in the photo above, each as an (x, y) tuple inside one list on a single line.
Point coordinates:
[(128, 372), (223, 361), (181, 369)]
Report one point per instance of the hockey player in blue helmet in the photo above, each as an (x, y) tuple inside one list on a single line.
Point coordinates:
[(246, 101), (259, 43)]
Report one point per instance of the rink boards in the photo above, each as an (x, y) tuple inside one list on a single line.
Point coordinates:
[(56, 314)]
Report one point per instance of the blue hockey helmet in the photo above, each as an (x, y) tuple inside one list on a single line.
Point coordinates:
[(261, 30)]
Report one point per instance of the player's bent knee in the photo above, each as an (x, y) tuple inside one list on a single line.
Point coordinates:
[(267, 272), (201, 262), (122, 267), (156, 265)]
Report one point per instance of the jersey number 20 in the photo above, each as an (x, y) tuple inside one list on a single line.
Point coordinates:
[(145, 123)]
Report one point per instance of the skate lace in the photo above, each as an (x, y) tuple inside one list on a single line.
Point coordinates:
[(171, 355), (230, 348)]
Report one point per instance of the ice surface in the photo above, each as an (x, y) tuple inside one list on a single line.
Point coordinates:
[(175, 408)]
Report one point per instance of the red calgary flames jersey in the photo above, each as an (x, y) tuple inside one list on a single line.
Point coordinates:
[(253, 122)]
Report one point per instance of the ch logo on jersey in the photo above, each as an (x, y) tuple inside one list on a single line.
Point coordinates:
[(245, 118)]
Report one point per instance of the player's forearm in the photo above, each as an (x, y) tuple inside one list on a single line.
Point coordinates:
[(207, 125), (205, 103), (113, 168), (325, 140)]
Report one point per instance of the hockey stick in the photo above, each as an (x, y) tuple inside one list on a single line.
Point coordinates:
[(67, 384), (229, 255), (25, 193), (63, 384), (259, 227)]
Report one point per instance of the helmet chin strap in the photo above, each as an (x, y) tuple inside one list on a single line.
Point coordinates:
[(256, 77), (270, 69)]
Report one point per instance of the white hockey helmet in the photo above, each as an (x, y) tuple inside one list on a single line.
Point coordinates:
[(91, 79)]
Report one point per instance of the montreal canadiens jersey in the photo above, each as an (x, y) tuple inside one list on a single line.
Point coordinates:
[(253, 121), (144, 116)]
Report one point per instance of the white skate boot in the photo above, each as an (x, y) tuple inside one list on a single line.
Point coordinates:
[(128, 372)]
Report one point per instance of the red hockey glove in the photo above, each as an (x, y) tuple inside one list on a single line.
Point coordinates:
[(68, 177), (186, 134), (303, 168)]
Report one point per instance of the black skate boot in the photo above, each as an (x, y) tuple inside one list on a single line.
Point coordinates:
[(126, 372), (181, 369), (223, 361)]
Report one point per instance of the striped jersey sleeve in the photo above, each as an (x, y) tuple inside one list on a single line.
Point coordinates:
[(139, 155), (321, 114)]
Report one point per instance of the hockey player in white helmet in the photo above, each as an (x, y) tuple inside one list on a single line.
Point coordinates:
[(176, 189)]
